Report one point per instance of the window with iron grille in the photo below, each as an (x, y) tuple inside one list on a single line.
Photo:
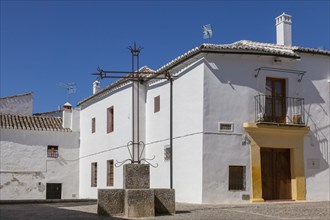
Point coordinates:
[(156, 104), (226, 126), (110, 173), (110, 119), (94, 175), (52, 151), (236, 177), (167, 153), (93, 125)]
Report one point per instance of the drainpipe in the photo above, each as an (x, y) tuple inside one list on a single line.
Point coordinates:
[(171, 132)]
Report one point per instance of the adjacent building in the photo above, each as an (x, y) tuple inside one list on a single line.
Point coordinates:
[(39, 156)]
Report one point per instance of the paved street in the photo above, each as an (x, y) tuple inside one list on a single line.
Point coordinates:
[(87, 210)]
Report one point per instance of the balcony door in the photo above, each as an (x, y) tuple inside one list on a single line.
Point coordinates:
[(275, 100)]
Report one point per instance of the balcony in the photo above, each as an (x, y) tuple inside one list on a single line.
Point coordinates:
[(279, 110)]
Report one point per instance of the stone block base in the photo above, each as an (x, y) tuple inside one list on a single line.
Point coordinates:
[(110, 202), (136, 176), (164, 201), (139, 203)]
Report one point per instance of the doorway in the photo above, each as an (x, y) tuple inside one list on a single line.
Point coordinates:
[(53, 190), (275, 174), (275, 108)]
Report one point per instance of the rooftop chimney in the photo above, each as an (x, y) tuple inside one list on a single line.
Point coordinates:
[(283, 30), (67, 114), (96, 86)]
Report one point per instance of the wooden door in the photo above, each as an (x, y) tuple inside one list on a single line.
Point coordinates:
[(275, 100), (275, 173), (53, 190)]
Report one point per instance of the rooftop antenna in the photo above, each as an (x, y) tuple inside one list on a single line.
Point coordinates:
[(70, 88), (207, 31)]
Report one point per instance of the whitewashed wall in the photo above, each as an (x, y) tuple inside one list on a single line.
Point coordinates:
[(20, 105), (229, 97), (316, 91), (25, 168), (187, 133), (102, 146), (211, 90)]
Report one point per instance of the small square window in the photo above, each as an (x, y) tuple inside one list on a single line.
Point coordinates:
[(226, 126), (156, 104), (52, 151), (236, 177)]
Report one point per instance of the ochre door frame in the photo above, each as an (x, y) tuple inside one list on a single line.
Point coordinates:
[(273, 136)]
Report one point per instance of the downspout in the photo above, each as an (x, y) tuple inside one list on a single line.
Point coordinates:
[(171, 132)]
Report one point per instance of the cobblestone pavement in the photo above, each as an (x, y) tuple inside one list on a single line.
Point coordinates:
[(260, 211)]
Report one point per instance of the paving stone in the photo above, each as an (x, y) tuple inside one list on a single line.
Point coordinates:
[(110, 201)]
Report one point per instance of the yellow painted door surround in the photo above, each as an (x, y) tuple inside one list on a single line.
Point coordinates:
[(277, 136)]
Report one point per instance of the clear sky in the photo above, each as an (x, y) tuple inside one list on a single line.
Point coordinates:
[(44, 43)]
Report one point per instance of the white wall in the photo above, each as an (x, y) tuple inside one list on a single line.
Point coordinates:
[(229, 92), (102, 146), (203, 97), (315, 90), (187, 133), (25, 168), (20, 105)]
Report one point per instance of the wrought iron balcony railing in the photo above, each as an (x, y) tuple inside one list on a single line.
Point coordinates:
[(277, 109)]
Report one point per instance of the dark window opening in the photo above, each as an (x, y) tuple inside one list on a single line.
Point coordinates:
[(110, 119), (236, 177), (110, 170), (156, 104), (94, 175), (93, 125), (52, 151)]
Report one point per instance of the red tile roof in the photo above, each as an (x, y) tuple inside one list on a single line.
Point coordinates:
[(29, 122)]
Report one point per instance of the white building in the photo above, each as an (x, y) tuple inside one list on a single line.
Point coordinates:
[(39, 156), (18, 104), (241, 112)]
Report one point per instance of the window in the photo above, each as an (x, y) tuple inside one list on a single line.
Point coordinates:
[(110, 121), (94, 175), (236, 177), (167, 153), (110, 173), (93, 125), (226, 126), (52, 151), (156, 104)]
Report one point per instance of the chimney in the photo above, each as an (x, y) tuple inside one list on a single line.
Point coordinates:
[(96, 86), (67, 115), (283, 30)]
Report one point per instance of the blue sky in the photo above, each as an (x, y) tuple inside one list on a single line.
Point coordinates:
[(47, 42)]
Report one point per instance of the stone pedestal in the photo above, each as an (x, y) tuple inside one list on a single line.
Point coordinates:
[(136, 199), (139, 203), (164, 201), (136, 176), (110, 201)]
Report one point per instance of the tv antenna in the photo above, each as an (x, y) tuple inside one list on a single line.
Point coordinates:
[(207, 31), (70, 88)]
